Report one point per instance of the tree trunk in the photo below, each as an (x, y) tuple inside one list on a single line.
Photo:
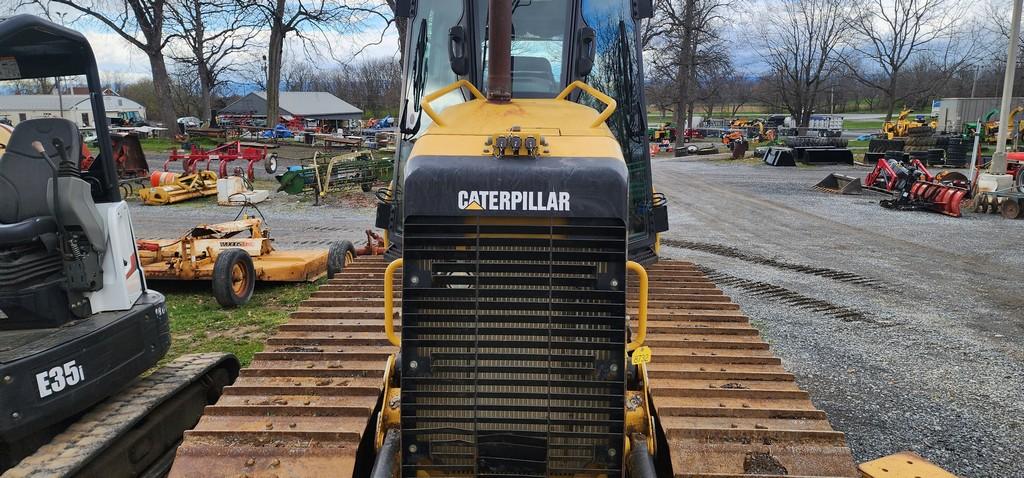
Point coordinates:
[(206, 93), (890, 97), (401, 24), (683, 72), (162, 85), (274, 60)]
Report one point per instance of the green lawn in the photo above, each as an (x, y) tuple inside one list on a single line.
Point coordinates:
[(199, 324), (864, 125), (159, 145)]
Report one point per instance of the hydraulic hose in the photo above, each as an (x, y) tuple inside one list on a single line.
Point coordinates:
[(640, 463), (385, 465)]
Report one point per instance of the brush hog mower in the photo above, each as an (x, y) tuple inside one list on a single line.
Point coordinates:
[(234, 255), (839, 184)]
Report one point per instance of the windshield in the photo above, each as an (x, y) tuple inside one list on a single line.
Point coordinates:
[(538, 46)]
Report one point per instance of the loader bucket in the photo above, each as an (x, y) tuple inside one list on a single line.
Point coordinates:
[(839, 184)]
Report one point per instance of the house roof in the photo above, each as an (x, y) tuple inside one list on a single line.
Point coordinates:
[(308, 104)]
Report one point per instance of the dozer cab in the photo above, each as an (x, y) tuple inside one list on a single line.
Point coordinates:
[(555, 44), (77, 322)]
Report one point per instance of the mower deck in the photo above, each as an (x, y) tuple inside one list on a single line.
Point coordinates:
[(279, 266)]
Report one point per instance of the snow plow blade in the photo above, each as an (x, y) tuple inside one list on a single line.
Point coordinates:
[(943, 199), (839, 184)]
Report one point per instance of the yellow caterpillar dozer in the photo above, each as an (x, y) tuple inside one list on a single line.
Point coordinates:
[(520, 323)]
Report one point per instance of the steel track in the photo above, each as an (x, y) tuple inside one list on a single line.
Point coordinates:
[(726, 405)]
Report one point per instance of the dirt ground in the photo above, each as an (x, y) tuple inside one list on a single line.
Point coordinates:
[(935, 364), (931, 358)]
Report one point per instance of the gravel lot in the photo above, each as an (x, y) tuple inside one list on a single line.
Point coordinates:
[(937, 369), (294, 222)]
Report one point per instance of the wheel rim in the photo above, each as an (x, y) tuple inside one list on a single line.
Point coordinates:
[(349, 258), (239, 280)]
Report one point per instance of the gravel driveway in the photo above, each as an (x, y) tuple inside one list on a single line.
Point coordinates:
[(935, 366)]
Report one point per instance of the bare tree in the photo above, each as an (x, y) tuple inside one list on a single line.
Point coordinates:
[(677, 32), (890, 34), (304, 18), (212, 34), (801, 43), (140, 23)]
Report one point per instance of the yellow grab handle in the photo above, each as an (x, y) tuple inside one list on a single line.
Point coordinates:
[(389, 302), (641, 331), (607, 100), (425, 104)]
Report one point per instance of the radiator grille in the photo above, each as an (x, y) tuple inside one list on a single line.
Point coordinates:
[(517, 330)]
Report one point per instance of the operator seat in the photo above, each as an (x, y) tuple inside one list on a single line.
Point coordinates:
[(24, 176), (32, 279), (533, 74)]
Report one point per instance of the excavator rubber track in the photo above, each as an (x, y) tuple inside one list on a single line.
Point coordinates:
[(724, 402)]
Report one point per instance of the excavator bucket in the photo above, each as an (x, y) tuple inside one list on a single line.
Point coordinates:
[(943, 199), (839, 184)]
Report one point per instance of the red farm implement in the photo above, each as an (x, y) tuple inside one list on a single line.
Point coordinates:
[(916, 188), (225, 154)]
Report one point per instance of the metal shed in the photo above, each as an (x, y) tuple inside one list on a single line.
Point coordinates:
[(314, 105)]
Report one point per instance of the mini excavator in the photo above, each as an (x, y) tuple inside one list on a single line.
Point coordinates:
[(78, 325)]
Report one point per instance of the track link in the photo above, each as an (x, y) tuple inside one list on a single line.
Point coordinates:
[(303, 405), (725, 403), (107, 438)]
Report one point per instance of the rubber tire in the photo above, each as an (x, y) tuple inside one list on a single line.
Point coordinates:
[(270, 164), (222, 278), (336, 257)]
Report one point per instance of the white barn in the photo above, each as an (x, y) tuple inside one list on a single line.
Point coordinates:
[(18, 108)]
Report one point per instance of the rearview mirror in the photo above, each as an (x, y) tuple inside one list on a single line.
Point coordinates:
[(457, 50), (586, 51)]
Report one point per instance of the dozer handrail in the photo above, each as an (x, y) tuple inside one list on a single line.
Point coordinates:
[(641, 330), (607, 100), (425, 103), (389, 302)]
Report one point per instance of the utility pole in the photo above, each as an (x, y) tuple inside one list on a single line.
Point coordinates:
[(974, 85), (999, 158)]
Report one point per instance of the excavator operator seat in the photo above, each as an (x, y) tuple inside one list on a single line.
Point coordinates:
[(32, 290)]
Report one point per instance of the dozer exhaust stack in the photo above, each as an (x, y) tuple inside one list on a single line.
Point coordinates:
[(499, 47)]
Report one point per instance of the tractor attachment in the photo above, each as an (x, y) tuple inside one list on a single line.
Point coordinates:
[(171, 188), (221, 253), (225, 154), (776, 156), (839, 184), (324, 174)]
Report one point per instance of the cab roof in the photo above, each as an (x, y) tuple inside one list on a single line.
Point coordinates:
[(33, 47)]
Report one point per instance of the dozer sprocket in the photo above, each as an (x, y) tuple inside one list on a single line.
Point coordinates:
[(724, 402)]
